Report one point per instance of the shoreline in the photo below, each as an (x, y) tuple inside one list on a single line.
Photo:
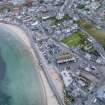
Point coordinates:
[(49, 96), (21, 35)]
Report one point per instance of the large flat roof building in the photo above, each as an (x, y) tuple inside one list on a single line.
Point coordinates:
[(65, 57)]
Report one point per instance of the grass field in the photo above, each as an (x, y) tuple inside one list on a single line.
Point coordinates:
[(73, 40), (99, 35), (78, 38)]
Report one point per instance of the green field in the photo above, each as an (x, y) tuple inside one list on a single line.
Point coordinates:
[(73, 40), (99, 35)]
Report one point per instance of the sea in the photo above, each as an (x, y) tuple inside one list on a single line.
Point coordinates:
[(20, 82)]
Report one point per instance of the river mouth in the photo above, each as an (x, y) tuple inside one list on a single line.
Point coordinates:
[(20, 83)]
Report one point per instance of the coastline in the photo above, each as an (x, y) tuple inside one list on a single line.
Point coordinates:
[(23, 37)]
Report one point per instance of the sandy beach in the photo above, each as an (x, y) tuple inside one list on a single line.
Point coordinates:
[(51, 100)]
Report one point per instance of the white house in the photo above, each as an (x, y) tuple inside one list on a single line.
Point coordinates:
[(66, 78)]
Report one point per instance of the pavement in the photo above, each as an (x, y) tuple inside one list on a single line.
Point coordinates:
[(56, 80), (51, 100)]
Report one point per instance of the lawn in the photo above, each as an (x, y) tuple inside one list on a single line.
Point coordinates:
[(99, 35), (73, 40)]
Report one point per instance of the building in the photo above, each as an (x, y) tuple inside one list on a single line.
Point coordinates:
[(66, 78), (18, 2), (89, 79), (101, 93), (65, 57)]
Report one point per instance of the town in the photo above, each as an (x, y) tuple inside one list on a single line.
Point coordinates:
[(69, 36)]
